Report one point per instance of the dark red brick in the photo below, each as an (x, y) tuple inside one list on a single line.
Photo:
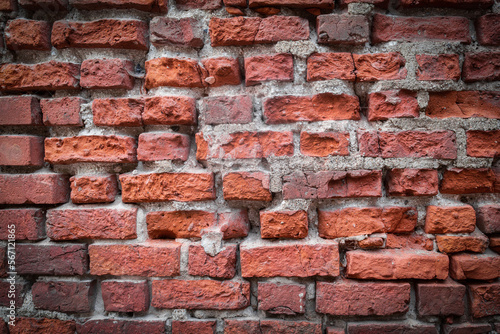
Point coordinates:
[(64, 296), (113, 326), (42, 326), (129, 296), (21, 151), (199, 327), (67, 260), (20, 110), (343, 29), (64, 111), (222, 265), (33, 189), (488, 29), (484, 299), (286, 299), (484, 66), (441, 298), (178, 32), (438, 67), (29, 224)]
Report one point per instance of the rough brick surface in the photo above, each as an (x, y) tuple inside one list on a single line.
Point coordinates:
[(324, 144), (438, 67), (286, 299), (488, 218), (392, 104), (221, 71), (169, 110), (121, 296), (484, 66), (228, 109), (222, 265), (107, 74), (118, 112), (27, 34), (487, 29), (484, 299), (110, 326), (379, 66), (412, 182), (283, 224), (29, 224), (246, 186), (144, 5), (63, 296), (21, 151), (440, 298), (451, 219), (476, 243), (328, 66), (201, 327), (179, 224), (391, 327), (67, 260), (483, 144), (263, 68), (468, 181), (475, 266), (463, 104), (93, 189), (180, 32), (42, 326), (20, 110), (343, 29), (33, 189), (64, 111), (162, 146)]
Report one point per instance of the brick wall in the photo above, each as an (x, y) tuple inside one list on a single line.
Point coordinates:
[(276, 166)]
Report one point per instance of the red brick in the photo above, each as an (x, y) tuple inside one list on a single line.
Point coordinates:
[(244, 145), (242, 326), (113, 326), (42, 326), (115, 34), (163, 146), (173, 72), (450, 219), (62, 111), (290, 260), (470, 4), (255, 30), (293, 3), (176, 32), (246, 186), (483, 66), (183, 187), (379, 66), (222, 71), (144, 5), (289, 327), (53, 75), (477, 243), (33, 189), (354, 221), (262, 68), (468, 181), (8, 5), (201, 294), (237, 3), (333, 184), (412, 182), (107, 74), (169, 110), (20, 110), (222, 265), (483, 144), (68, 260), (113, 149), (129, 296), (440, 298), (392, 104), (283, 224), (50, 6), (198, 4), (388, 327), (377, 3), (22, 34), (155, 258), (495, 244), (228, 109), (396, 264), (234, 224), (200, 327), (484, 299), (409, 241), (324, 144), (369, 145), (21, 151), (102, 223), (6, 290), (328, 66), (475, 266), (418, 144), (351, 298), (93, 189), (118, 112), (3, 261), (488, 218), (315, 108), (488, 29), (334, 330), (416, 29), (179, 224), (64, 296), (438, 67), (343, 29), (371, 243), (29, 224), (286, 299), (464, 104), (467, 328)]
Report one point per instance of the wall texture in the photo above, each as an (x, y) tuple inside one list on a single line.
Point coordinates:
[(276, 166)]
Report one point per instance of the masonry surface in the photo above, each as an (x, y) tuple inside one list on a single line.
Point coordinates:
[(261, 166)]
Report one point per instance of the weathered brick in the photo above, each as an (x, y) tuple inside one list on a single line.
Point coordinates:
[(488, 218), (249, 186), (483, 144), (221, 71), (324, 144), (112, 326), (22, 34), (285, 327), (290, 260), (415, 29), (8, 5), (118, 112), (93, 189), (379, 66), (468, 181), (107, 74), (169, 110), (412, 182), (351, 298), (488, 29), (51, 6), (183, 187), (293, 3), (262, 68), (242, 326), (377, 3), (222, 265), (371, 243), (6, 289), (438, 67), (200, 327), (392, 104), (144, 5), (409, 241), (163, 146), (286, 299), (470, 4), (21, 151), (173, 72), (396, 264), (68, 260), (102, 223), (228, 109), (64, 111), (391, 327), (53, 75), (450, 219), (116, 34), (343, 29), (20, 110), (42, 326), (113, 149), (177, 32), (436, 144), (64, 296), (315, 108), (201, 294), (332, 65), (466, 328), (129, 296), (234, 224), (484, 66), (33, 189), (475, 266), (198, 4), (237, 3), (29, 224), (477, 243), (155, 258), (3, 261), (484, 299), (179, 224), (333, 184), (244, 145), (254, 30), (369, 145), (440, 298), (464, 104), (283, 224)]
